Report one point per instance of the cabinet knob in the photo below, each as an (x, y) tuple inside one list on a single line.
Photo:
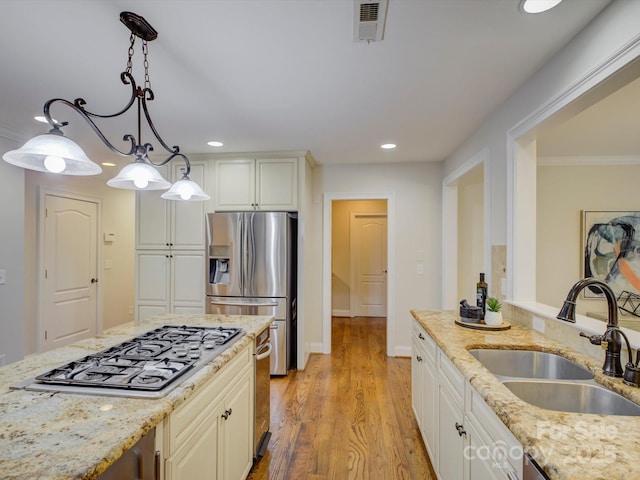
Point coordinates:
[(227, 414), (420, 336), (419, 358), (460, 429)]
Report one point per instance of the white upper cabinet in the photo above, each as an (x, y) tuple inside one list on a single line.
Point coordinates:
[(164, 223), (256, 184)]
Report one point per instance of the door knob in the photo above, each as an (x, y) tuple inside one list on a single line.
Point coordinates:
[(94, 280)]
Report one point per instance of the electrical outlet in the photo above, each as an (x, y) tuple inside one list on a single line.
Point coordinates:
[(2, 360), (419, 268), (108, 264), (3, 277), (130, 309)]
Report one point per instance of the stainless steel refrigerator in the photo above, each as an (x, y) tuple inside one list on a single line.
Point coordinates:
[(252, 271)]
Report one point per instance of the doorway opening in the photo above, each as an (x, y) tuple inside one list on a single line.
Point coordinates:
[(358, 262)]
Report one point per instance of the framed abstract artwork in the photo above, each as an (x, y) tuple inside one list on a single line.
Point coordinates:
[(611, 250)]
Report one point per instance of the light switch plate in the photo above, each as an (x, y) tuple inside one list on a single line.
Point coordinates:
[(3, 277), (538, 324)]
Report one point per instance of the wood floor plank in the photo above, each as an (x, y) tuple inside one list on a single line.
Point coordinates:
[(348, 415)]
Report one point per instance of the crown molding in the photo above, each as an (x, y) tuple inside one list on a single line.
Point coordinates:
[(11, 135), (585, 161)]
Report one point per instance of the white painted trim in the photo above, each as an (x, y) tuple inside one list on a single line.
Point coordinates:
[(11, 135), (520, 258), (596, 161), (391, 264), (450, 226), (521, 164), (43, 191), (403, 352), (315, 347), (340, 313)]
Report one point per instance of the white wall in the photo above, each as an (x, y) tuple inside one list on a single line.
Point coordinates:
[(11, 257), (417, 189), (614, 28), (470, 235), (562, 193)]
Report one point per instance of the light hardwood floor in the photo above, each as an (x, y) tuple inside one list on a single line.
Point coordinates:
[(348, 415)]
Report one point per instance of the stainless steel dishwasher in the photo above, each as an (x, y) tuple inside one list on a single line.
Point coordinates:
[(262, 409)]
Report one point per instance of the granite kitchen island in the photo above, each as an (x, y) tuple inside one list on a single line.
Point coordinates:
[(62, 435)]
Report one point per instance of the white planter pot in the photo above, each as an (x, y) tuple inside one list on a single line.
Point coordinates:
[(493, 318)]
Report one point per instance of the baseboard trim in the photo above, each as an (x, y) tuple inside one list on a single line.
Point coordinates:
[(402, 351)]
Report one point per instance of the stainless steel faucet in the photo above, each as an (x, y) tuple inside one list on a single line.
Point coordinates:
[(612, 336)]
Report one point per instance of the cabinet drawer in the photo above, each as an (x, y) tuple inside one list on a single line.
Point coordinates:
[(425, 340), (182, 421), (451, 376)]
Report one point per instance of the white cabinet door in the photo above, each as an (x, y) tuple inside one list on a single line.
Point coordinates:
[(169, 281), (187, 225), (173, 224), (237, 431), (256, 184), (451, 447), (479, 457), (153, 286), (197, 457), (235, 184), (187, 280), (417, 386), (277, 184), (430, 409), (152, 218)]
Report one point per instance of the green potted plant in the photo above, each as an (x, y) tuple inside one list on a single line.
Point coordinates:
[(493, 315)]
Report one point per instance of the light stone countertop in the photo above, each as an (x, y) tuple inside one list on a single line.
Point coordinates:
[(569, 446), (45, 435)]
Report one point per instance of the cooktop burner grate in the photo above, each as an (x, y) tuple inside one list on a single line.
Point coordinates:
[(151, 362)]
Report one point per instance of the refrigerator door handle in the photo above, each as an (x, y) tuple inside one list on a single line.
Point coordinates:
[(240, 303)]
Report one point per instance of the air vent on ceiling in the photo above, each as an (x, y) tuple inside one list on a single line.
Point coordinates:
[(369, 20)]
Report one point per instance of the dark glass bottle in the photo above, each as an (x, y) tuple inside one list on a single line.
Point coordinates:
[(481, 294)]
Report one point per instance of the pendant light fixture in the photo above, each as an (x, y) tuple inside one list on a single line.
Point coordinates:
[(53, 152)]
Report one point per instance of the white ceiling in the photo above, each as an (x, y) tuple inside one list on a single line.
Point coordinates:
[(264, 75)]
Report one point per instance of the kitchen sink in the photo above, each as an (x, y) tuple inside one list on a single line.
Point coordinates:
[(572, 397), (530, 364)]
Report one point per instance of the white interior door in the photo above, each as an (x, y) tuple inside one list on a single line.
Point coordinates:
[(369, 264), (68, 300)]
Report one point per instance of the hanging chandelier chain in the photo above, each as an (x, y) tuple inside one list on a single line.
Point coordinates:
[(132, 41), (145, 52)]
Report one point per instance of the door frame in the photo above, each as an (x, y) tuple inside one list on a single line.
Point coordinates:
[(391, 265), (43, 191), (352, 262)]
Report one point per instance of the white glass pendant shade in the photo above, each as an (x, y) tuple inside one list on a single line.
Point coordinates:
[(52, 153), (538, 6), (139, 176), (187, 190)]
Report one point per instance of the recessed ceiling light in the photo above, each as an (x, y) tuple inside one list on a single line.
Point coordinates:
[(215, 144), (108, 164), (42, 119), (538, 6), (388, 146)]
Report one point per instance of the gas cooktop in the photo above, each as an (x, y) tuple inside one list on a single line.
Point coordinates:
[(148, 366)]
